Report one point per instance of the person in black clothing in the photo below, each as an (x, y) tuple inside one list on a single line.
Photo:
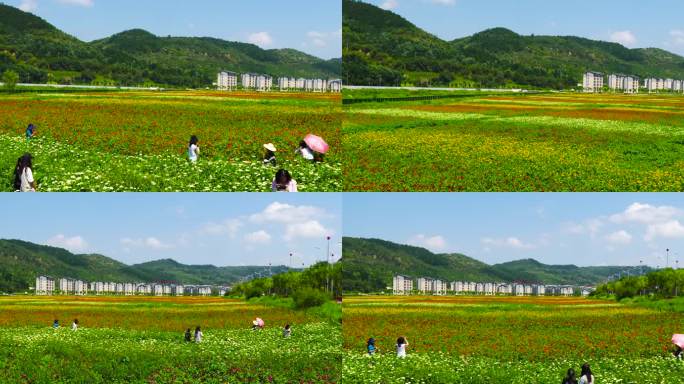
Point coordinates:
[(570, 377), (188, 335), (678, 352)]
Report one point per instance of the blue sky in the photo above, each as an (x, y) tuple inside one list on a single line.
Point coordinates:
[(312, 26), (191, 228), (554, 228), (633, 23)]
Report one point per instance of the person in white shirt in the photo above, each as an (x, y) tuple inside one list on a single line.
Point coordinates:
[(74, 325), (402, 343), (586, 377), (23, 174), (287, 331), (283, 182), (193, 149), (198, 335), (304, 150)]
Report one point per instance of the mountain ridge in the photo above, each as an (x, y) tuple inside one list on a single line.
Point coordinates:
[(369, 264), (42, 53), (382, 48), (21, 261)]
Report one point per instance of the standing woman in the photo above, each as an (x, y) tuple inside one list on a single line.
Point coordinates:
[(586, 377), (74, 325), (23, 174), (401, 346), (30, 132), (193, 149), (198, 335)]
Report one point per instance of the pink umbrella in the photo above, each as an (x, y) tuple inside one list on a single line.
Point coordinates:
[(260, 322), (316, 143), (678, 339)]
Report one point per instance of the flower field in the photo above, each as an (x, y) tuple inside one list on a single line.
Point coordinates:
[(537, 142), (507, 340), (137, 141), (140, 340)]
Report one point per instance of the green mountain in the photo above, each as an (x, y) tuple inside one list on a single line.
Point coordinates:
[(21, 262), (382, 48), (41, 53), (369, 264)]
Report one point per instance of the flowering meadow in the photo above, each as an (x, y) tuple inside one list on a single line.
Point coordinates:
[(140, 340), (507, 340), (137, 141), (536, 142)]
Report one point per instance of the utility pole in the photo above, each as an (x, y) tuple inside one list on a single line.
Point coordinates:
[(327, 259), (667, 257)]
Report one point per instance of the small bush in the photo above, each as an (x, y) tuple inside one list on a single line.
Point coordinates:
[(309, 297)]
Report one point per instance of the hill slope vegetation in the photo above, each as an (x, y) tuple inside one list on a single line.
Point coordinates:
[(21, 262), (41, 53), (369, 264), (382, 48)]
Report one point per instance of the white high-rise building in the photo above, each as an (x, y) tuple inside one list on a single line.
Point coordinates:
[(424, 285), (45, 285), (402, 285), (226, 81), (335, 85), (592, 82)]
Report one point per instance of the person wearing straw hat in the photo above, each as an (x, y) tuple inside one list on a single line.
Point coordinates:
[(269, 157)]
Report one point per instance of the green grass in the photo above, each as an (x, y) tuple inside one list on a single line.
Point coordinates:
[(523, 144)]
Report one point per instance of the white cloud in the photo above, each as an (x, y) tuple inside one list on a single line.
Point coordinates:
[(258, 237), (228, 227), (28, 5), (80, 3), (389, 4), (148, 242), (433, 243), (286, 213), (677, 36), (645, 213), (443, 2), (262, 39), (307, 229), (590, 226), (74, 243), (625, 38), (508, 242), (323, 39), (620, 237), (668, 229)]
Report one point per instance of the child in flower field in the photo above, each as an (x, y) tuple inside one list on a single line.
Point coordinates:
[(586, 377), (30, 132), (269, 157), (570, 377), (198, 335), (74, 325), (678, 351), (370, 346), (402, 343), (283, 182), (55, 324), (188, 335), (287, 331), (193, 149), (23, 174)]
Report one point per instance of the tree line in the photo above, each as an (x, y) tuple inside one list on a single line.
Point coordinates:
[(663, 283), (310, 287)]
